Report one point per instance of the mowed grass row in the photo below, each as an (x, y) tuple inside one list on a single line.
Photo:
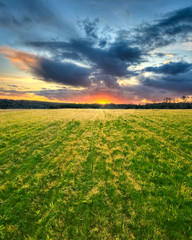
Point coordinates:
[(96, 174)]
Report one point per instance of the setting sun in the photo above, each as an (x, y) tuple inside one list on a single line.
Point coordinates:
[(103, 102), (100, 99)]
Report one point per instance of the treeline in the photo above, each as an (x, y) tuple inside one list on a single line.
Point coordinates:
[(25, 104)]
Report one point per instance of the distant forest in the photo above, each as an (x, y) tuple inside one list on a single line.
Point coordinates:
[(25, 104)]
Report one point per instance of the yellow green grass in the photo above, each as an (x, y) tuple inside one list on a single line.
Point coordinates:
[(95, 174)]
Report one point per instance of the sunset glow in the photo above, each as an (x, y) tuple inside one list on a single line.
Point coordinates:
[(48, 52), (101, 99)]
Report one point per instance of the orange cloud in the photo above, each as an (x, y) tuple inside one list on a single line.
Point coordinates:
[(20, 59)]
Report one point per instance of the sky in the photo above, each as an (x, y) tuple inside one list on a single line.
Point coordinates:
[(96, 51)]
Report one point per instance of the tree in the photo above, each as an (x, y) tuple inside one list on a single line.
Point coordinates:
[(167, 100), (184, 98)]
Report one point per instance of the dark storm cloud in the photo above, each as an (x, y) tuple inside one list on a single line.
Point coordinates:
[(66, 73), (166, 30), (69, 55), (123, 51), (175, 76), (106, 65), (102, 43), (172, 68), (180, 83), (177, 17), (113, 60)]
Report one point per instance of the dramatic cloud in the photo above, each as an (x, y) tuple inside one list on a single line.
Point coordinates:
[(172, 68), (99, 49), (166, 31), (65, 73), (49, 70), (180, 83), (173, 76), (113, 60)]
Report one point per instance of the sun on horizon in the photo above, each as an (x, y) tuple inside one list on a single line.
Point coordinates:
[(100, 99)]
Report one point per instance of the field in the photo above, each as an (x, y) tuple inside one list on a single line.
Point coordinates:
[(95, 174)]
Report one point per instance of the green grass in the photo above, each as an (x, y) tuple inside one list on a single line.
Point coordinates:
[(95, 174)]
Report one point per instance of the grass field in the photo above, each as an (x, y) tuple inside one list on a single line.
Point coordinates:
[(96, 174)]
